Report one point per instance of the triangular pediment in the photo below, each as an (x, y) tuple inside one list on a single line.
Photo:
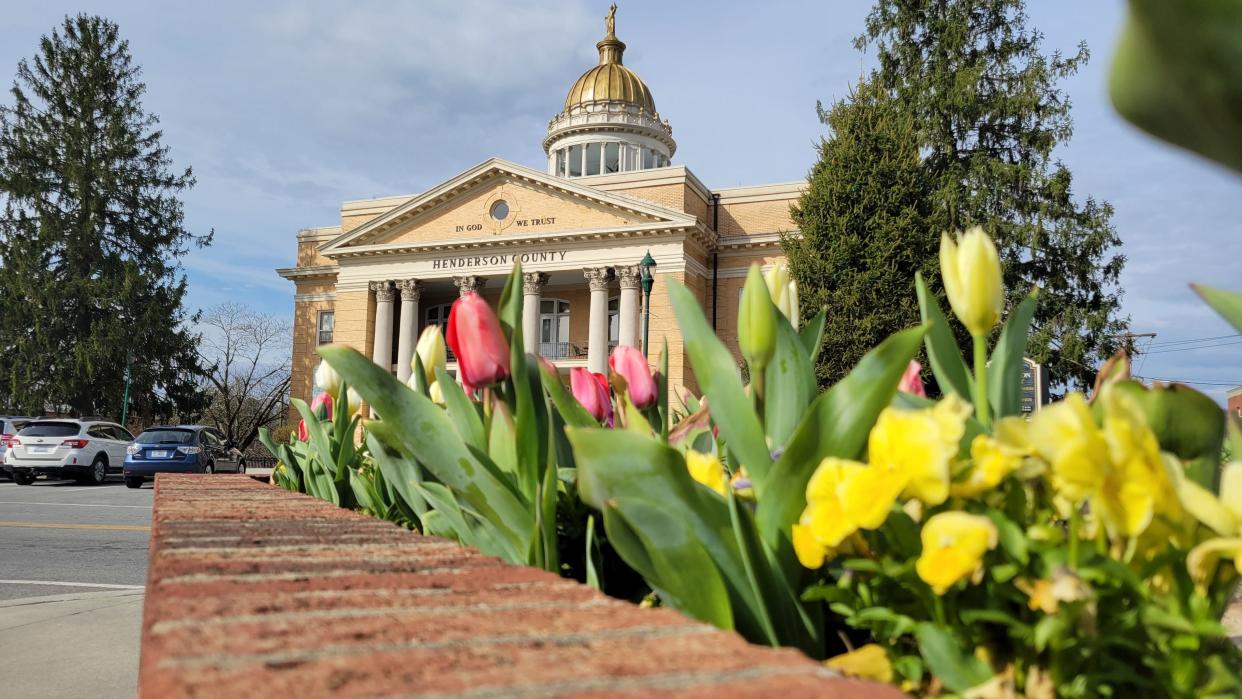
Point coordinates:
[(497, 199)]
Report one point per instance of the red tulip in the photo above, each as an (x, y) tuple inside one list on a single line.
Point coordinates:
[(322, 406), (910, 381), (477, 341), (591, 390), (303, 432), (632, 366)]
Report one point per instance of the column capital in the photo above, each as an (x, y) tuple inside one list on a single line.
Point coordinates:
[(385, 292), (598, 278), (469, 282), (533, 282), (628, 276), (411, 289)]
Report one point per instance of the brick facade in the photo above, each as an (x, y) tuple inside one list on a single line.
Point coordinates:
[(255, 591), (1233, 402)]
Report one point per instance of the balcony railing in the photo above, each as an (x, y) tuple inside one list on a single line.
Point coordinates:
[(561, 350)]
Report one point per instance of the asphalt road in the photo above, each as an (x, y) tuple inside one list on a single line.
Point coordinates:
[(73, 562)]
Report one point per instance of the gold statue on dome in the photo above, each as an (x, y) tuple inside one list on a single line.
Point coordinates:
[(610, 20)]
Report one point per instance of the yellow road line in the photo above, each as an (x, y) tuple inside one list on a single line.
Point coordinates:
[(59, 525)]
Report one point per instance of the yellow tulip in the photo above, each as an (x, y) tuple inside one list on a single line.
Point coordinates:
[(972, 279), (706, 469), (353, 400), (869, 662), (431, 352), (953, 547), (992, 458), (918, 447), (756, 325), (784, 292)]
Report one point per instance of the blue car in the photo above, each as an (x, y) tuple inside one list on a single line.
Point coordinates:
[(180, 449)]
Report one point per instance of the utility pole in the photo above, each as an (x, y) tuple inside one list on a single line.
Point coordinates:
[(129, 360)]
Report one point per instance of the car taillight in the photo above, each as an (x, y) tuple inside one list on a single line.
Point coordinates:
[(9, 440), (75, 443)]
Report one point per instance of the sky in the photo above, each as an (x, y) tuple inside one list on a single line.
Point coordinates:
[(286, 109)]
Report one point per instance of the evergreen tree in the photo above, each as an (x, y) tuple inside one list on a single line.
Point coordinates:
[(863, 228), (91, 235), (988, 116)]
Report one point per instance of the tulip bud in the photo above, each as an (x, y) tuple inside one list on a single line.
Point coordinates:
[(303, 431), (430, 351), (591, 392), (972, 280), (784, 292), (477, 341), (326, 378), (321, 406), (631, 365), (910, 381), (353, 401), (756, 326)]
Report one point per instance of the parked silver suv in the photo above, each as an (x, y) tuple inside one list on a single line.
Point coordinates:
[(86, 449), (9, 425)]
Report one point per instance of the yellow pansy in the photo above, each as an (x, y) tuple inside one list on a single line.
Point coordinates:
[(1065, 435), (1203, 560), (869, 662), (918, 446), (953, 547), (706, 469), (992, 458), (1140, 480), (1046, 595), (842, 497)]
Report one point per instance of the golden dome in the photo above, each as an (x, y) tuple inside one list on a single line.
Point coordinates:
[(610, 81)]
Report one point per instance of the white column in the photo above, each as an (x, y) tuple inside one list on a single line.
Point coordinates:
[(627, 311), (597, 333), (467, 283), (385, 292), (532, 294), (410, 291)]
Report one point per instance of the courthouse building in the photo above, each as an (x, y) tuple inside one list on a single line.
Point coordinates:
[(611, 193)]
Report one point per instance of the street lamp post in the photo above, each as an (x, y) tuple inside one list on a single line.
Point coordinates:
[(129, 360), (648, 280)]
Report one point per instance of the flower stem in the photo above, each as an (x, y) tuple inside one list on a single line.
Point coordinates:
[(1075, 524), (982, 412)]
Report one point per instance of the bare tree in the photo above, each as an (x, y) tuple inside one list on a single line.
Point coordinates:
[(247, 355)]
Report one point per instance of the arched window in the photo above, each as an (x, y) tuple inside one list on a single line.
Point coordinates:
[(554, 328)]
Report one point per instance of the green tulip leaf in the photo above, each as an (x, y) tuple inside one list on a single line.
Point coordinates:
[(789, 384), (570, 409), (1005, 367), (957, 668), (1227, 303), (717, 374), (942, 349), (402, 474), (420, 429), (462, 410), (812, 335)]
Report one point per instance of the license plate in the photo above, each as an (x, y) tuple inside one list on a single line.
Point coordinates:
[(159, 454), (41, 449)]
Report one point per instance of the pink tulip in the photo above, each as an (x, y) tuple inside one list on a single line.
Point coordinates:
[(322, 406), (910, 381), (477, 341), (303, 432), (591, 391), (632, 366)]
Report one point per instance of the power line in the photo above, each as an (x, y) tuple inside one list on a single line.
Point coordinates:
[(1188, 381), (1194, 340), (1191, 349)]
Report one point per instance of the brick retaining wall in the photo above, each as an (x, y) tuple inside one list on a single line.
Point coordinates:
[(254, 591)]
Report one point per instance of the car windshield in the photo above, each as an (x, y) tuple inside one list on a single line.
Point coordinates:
[(50, 429), (167, 436)]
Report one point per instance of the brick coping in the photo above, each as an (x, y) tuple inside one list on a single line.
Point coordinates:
[(256, 591)]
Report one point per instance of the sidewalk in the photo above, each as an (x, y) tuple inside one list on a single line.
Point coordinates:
[(74, 645)]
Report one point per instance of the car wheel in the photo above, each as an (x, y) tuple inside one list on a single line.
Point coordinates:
[(99, 470), (209, 469), (241, 466), (133, 482), (23, 478)]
